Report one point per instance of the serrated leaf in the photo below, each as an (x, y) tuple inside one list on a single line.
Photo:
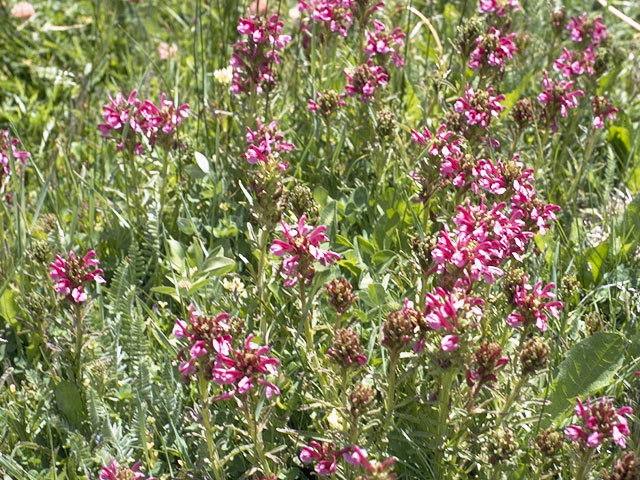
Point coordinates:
[(589, 366)]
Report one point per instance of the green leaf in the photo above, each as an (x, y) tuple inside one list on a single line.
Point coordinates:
[(177, 256), (596, 257), (377, 293), (219, 265), (8, 307), (202, 162), (589, 366), (68, 401)]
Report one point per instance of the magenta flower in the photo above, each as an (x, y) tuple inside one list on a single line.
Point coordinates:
[(115, 471), (439, 143), (602, 109), (599, 422), (337, 14), (558, 97), (300, 247), (357, 457), (499, 7), (325, 456), (383, 43), (479, 107), (576, 63), (206, 337), (266, 144), (8, 150), (243, 369), (72, 275), (254, 57), (449, 343), (532, 306), (364, 80), (492, 49), (581, 27), (139, 119)]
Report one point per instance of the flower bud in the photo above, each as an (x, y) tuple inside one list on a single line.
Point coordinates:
[(360, 399), (534, 355), (346, 350), (549, 442), (626, 468), (340, 293)]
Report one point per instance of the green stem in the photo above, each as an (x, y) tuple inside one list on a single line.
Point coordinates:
[(391, 389), (512, 398), (263, 238), (587, 155), (208, 431), (78, 329), (256, 437), (582, 469), (443, 416)]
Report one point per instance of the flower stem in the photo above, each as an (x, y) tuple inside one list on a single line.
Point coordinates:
[(79, 331), (582, 467), (587, 155), (512, 398), (391, 389), (262, 241), (256, 437), (208, 431), (443, 416)]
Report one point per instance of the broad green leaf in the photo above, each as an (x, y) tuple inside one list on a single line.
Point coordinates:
[(177, 256), (68, 401), (377, 293), (596, 257), (219, 265), (589, 366), (8, 306)]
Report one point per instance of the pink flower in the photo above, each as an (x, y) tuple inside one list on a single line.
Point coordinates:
[(364, 80), (115, 471), (266, 144), (134, 119), (254, 58), (600, 421), (72, 275), (499, 7), (166, 51), (449, 343), (602, 109), (581, 26), (486, 361), (206, 337), (439, 143), (576, 63), (557, 97), (243, 369), (479, 107), (531, 306), (337, 14), (300, 246), (8, 149), (492, 49), (385, 44), (23, 10), (325, 456)]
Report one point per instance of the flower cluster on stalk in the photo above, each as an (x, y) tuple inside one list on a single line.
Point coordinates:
[(72, 275), (132, 121), (266, 144), (492, 49), (299, 247), (255, 57), (380, 42), (210, 352), (599, 422), (8, 150)]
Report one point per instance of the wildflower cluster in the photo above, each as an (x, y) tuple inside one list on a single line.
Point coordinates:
[(133, 123), (8, 150), (299, 247), (73, 274), (599, 422), (255, 57)]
